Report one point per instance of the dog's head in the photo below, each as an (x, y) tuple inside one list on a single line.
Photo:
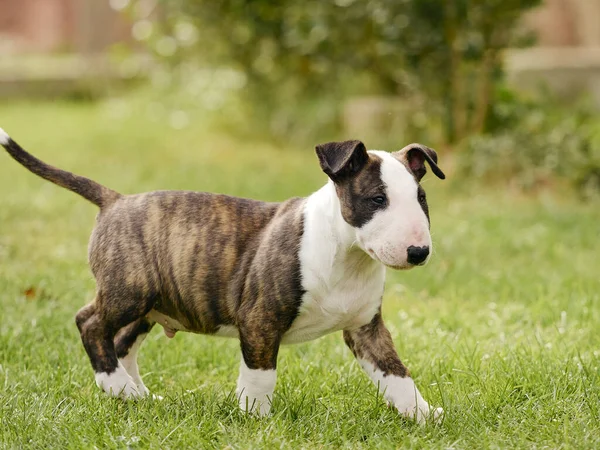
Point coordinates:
[(381, 198)]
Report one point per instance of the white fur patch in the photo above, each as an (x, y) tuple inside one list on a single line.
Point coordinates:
[(117, 383), (4, 137), (255, 389), (343, 284), (402, 393), (402, 223), (130, 365)]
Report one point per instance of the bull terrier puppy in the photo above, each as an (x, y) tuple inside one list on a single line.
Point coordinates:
[(265, 273)]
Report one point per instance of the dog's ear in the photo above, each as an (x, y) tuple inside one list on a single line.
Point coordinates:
[(342, 159), (415, 156)]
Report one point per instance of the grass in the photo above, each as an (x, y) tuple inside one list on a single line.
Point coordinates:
[(501, 328)]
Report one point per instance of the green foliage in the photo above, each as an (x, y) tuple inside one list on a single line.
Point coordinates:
[(292, 51), (531, 142), (454, 59)]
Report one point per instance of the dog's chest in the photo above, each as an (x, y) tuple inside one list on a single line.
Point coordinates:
[(336, 299), (343, 286)]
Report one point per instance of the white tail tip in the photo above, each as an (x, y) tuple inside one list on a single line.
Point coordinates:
[(4, 137)]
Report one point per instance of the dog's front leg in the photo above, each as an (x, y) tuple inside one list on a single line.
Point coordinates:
[(257, 371), (374, 349)]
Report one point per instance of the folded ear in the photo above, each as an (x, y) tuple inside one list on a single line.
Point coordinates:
[(341, 159), (415, 156)]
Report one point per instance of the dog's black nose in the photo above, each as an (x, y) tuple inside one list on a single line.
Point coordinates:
[(416, 255)]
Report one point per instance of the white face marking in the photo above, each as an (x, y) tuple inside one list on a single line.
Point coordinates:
[(255, 389), (118, 383), (4, 138), (402, 393), (402, 224), (130, 364)]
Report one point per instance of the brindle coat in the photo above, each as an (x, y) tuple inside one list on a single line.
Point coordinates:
[(205, 260)]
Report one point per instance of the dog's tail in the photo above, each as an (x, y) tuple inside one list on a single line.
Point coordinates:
[(88, 189)]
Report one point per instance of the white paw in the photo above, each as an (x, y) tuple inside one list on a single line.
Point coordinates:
[(118, 384), (129, 363), (258, 405), (142, 389), (422, 413), (255, 389)]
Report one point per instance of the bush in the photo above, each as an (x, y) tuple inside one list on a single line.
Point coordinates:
[(293, 52), (533, 142)]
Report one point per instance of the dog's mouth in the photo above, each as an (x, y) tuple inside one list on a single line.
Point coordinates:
[(405, 266)]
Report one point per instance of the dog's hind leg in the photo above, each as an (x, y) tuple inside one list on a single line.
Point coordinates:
[(127, 345), (107, 316), (84, 314)]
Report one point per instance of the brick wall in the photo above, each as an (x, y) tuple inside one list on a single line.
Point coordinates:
[(54, 25), (566, 23)]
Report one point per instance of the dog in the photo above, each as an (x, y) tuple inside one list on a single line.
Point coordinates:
[(265, 273)]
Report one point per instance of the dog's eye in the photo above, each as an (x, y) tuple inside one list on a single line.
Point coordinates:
[(421, 197), (379, 199)]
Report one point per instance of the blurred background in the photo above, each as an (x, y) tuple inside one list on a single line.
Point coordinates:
[(512, 86)]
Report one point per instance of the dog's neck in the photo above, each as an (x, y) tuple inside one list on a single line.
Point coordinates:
[(337, 246)]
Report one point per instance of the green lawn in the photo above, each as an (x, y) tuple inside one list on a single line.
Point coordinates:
[(502, 328)]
